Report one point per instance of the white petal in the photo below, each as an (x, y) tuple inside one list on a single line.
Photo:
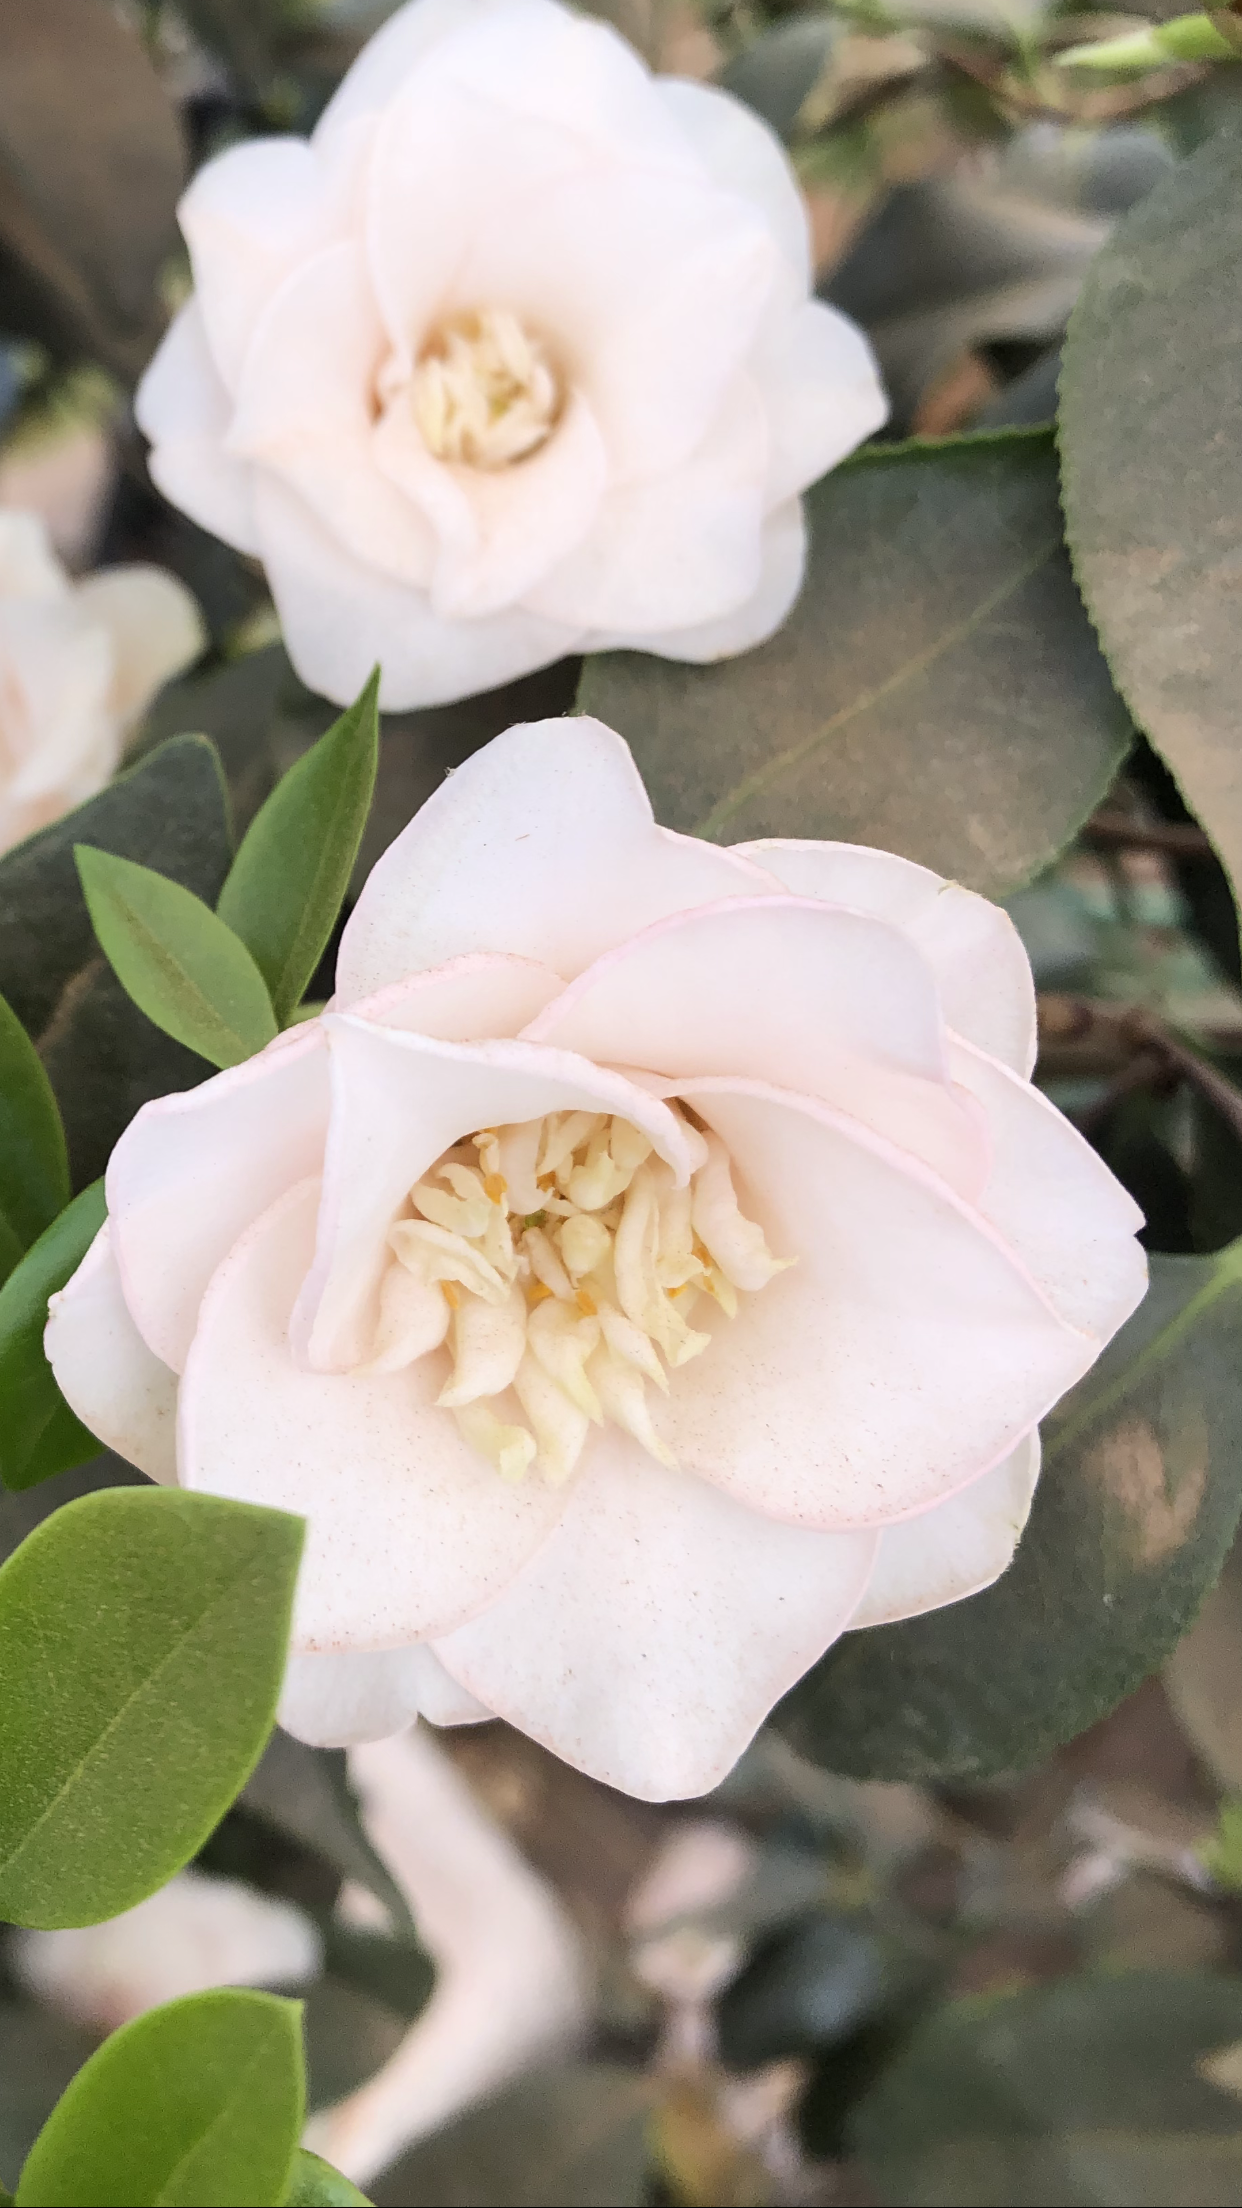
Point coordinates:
[(467, 1000), (368, 1694), (105, 1371), (822, 393), (183, 408), (155, 627), (956, 1549), (29, 567), (741, 154), (652, 1635), (542, 844), (782, 552)]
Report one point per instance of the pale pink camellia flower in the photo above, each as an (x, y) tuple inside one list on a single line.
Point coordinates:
[(79, 664), (514, 357), (655, 1262)]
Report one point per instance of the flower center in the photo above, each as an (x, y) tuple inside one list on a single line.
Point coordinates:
[(485, 391), (562, 1263)]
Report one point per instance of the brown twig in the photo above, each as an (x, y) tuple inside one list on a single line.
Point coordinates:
[(1081, 1031), (1180, 839)]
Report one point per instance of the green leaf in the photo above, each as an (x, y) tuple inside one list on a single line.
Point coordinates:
[(315, 2184), (34, 1163), (289, 878), (936, 691), (39, 1434), (198, 2104), (1098, 2089), (1151, 445), (573, 2137), (186, 970), (1134, 1512), (142, 1644)]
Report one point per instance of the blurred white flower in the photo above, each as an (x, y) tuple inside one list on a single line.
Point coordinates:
[(515, 357), (79, 663)]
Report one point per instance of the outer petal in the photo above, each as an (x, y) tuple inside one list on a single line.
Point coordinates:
[(367, 1694), (832, 1003), (155, 627), (543, 843), (741, 154), (398, 45), (250, 217), (193, 1170), (185, 411), (29, 567), (398, 1102), (469, 1000), (1055, 1201), (906, 1352), (105, 1371), (408, 1530), (956, 1549), (822, 391), (782, 554), (648, 1640), (340, 617), (972, 947)]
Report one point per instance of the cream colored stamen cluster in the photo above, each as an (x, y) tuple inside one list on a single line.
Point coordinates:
[(563, 1265), (485, 392)]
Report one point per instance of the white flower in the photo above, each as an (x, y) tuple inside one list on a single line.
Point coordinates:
[(655, 1262), (514, 358), (79, 664)]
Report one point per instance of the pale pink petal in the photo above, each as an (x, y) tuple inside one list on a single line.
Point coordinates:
[(470, 1000), (251, 216), (183, 408), (782, 552), (408, 1531), (971, 945), (741, 154), (956, 1549), (822, 394), (339, 617), (399, 1101), (29, 567), (105, 1371), (649, 1639), (543, 844), (1055, 1201), (812, 997), (368, 1694), (155, 627), (396, 47), (676, 549), (904, 1353), (194, 1169)]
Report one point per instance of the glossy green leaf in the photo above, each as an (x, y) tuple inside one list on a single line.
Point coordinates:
[(142, 1644), (1136, 1507), (1098, 2089), (1151, 443), (289, 878), (197, 2104), (315, 2184), (39, 1434), (34, 1164), (181, 964), (937, 690), (571, 2137)]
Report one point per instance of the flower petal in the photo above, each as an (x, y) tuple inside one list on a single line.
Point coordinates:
[(956, 1549), (904, 1353), (399, 1101), (368, 1694), (397, 46), (104, 1369), (339, 617), (155, 627), (1055, 1201), (971, 945), (834, 1004), (473, 999), (782, 555), (408, 1531), (741, 154), (822, 391), (194, 1169), (29, 567), (250, 217), (182, 407), (649, 1639), (543, 842)]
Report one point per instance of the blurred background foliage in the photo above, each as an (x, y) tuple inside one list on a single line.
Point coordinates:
[(876, 1966)]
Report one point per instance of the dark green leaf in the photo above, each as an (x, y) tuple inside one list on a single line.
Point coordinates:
[(196, 2105), (1151, 441), (810, 1984), (34, 1164), (289, 878), (39, 1434), (1134, 1512), (1093, 2090), (142, 1644), (181, 965), (315, 2184), (305, 1792), (936, 691), (248, 707), (569, 2138), (775, 72)]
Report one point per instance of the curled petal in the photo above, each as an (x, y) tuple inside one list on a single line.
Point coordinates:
[(335, 1701), (488, 1344), (956, 1549), (105, 1371)]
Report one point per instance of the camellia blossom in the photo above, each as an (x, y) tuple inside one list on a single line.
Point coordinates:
[(515, 357), (655, 1261), (79, 663)]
